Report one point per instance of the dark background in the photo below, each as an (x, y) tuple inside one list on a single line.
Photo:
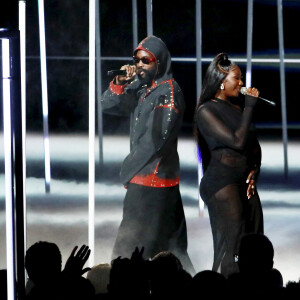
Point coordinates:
[(224, 29)]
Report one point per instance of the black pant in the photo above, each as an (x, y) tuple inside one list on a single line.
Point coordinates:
[(231, 216), (153, 218)]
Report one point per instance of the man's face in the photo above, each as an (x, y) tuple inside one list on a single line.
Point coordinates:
[(145, 66)]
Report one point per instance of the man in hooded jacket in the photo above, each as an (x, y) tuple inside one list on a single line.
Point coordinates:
[(153, 215)]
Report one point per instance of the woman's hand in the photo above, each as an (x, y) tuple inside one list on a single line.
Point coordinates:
[(251, 190), (252, 91)]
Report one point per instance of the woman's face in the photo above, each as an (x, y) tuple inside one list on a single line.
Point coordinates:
[(233, 83)]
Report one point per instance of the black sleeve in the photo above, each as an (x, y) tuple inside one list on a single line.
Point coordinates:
[(210, 125), (116, 101)]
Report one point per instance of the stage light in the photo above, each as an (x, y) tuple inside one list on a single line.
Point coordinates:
[(22, 29), (92, 45), (44, 93), (248, 78), (199, 60), (249, 43), (8, 162)]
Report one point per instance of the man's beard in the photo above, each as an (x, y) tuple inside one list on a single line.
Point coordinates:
[(147, 79)]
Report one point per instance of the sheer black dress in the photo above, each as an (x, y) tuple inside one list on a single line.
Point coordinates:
[(226, 134)]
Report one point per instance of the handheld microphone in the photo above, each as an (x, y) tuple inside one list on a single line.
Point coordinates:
[(244, 92), (116, 72)]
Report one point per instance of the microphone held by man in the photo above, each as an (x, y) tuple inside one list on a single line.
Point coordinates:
[(116, 72), (125, 74)]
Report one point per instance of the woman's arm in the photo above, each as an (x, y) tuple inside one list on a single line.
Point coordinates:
[(210, 125)]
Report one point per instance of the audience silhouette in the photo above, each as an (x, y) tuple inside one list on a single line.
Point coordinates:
[(293, 289), (256, 277), (129, 277), (43, 263), (3, 284), (165, 271), (161, 277), (210, 283), (99, 277)]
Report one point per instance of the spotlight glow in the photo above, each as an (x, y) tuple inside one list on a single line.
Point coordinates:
[(8, 161), (248, 78), (44, 92), (92, 72), (200, 175), (22, 28)]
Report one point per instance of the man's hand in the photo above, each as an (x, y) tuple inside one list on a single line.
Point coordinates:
[(131, 72), (76, 262)]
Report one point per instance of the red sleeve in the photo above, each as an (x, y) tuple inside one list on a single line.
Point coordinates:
[(117, 89)]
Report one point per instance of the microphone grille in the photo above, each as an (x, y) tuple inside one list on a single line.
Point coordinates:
[(243, 90)]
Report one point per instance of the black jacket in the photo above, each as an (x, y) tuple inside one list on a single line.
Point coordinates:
[(157, 117)]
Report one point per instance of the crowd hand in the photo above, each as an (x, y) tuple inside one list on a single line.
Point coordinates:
[(251, 184), (137, 255), (75, 262), (138, 260), (140, 264), (131, 72)]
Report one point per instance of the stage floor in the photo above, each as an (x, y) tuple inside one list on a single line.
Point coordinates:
[(61, 216)]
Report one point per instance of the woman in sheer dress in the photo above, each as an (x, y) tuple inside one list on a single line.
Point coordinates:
[(231, 158)]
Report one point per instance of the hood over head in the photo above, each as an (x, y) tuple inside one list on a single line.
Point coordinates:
[(159, 50)]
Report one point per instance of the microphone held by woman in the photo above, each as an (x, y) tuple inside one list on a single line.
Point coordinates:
[(244, 92)]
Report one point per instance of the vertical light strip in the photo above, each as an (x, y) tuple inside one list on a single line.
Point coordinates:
[(92, 42), (44, 93), (22, 28), (249, 43), (99, 82), (199, 85), (135, 35), (9, 197), (149, 17), (198, 48), (282, 88), (134, 24)]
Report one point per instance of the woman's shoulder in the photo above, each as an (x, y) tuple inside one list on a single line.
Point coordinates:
[(208, 106), (206, 112)]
